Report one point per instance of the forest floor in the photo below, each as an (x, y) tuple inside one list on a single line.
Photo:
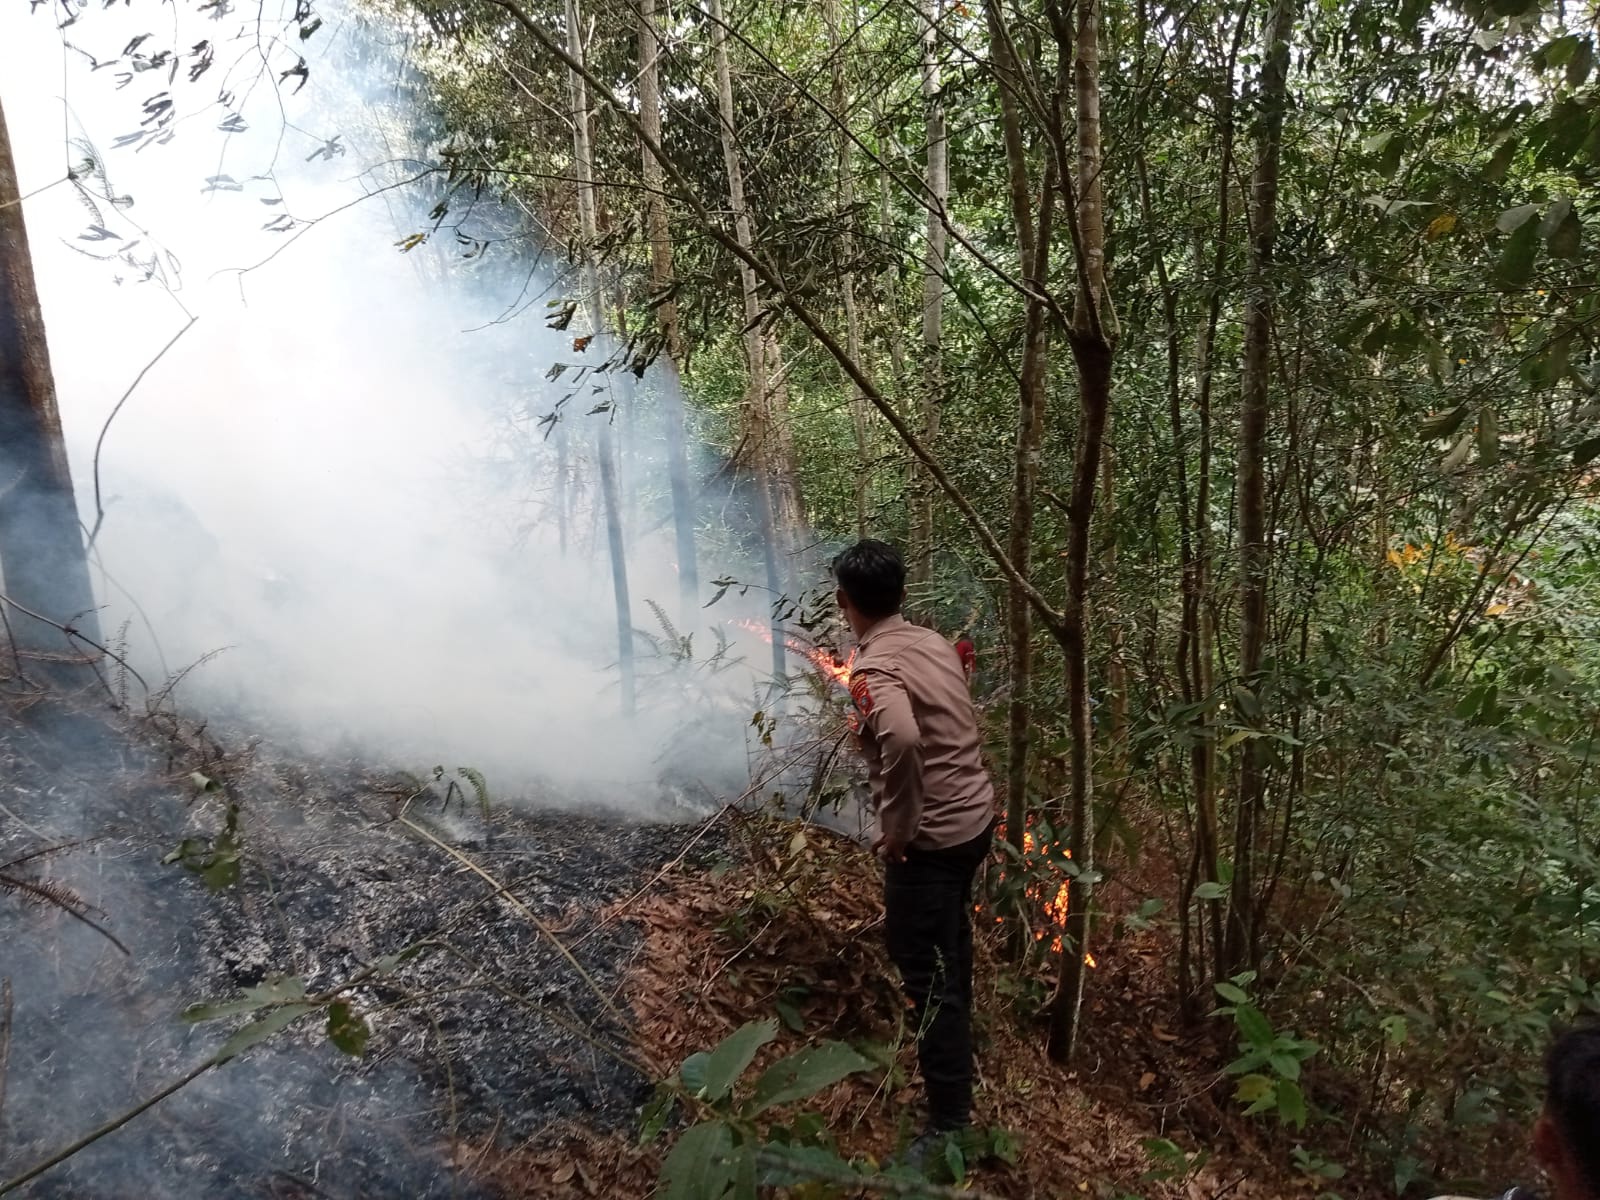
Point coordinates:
[(792, 924), (494, 1069)]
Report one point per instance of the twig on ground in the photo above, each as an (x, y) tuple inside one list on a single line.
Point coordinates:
[(5, 1038), (111, 1126)]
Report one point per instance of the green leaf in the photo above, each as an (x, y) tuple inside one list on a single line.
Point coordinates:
[(1291, 1103), (1252, 1089), (804, 1073), (1286, 1066), (790, 1015), (260, 1031), (348, 1029), (1232, 994), (733, 1054), (1514, 219), (693, 1073), (1500, 161), (700, 1166), (1565, 130), (1376, 142), (1253, 1025), (954, 1161), (1394, 1030), (744, 1173), (1211, 890), (1458, 453), (1581, 63), (1562, 230), (276, 991), (656, 1115)]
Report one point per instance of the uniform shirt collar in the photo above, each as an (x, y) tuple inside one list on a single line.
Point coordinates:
[(893, 621)]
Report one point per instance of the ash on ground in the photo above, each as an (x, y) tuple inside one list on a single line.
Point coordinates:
[(488, 1031)]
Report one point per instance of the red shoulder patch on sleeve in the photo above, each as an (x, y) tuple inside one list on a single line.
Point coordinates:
[(860, 695)]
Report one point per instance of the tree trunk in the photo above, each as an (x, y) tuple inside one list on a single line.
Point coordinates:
[(661, 285), (920, 568), (1198, 635), (43, 565), (1242, 936), (757, 410), (594, 300), (1092, 335), (1033, 260), (860, 415)]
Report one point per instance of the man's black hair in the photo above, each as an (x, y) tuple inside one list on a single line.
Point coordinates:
[(1572, 1097), (873, 575)]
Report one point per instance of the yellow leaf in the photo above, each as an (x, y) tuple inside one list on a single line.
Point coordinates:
[(1439, 226)]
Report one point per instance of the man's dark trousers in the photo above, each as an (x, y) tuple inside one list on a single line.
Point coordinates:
[(927, 902)]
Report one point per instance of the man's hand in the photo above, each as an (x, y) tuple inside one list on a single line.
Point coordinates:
[(889, 849)]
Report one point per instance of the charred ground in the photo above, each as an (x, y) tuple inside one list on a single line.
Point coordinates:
[(490, 1031)]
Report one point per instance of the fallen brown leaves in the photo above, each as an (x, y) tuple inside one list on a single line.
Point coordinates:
[(794, 928)]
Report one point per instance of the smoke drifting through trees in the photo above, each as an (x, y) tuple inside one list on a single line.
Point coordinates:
[(343, 473)]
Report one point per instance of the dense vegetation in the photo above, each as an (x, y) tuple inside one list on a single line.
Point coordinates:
[(1341, 576)]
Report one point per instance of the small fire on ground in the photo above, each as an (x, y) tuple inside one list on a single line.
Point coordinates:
[(1054, 906)]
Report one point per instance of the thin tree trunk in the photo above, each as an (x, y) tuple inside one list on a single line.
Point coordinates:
[(661, 285), (1032, 260), (595, 301), (43, 565), (1242, 936), (758, 424), (860, 415), (920, 568), (1198, 636), (1092, 334)]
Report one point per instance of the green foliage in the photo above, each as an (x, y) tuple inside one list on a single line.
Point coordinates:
[(215, 859), (1268, 1065), (719, 1156)]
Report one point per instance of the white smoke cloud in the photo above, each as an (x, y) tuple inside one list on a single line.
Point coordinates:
[(327, 474)]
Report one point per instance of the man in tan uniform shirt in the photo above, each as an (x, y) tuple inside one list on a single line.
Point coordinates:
[(934, 804)]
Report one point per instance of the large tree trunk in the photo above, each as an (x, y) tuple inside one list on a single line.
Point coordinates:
[(1033, 250), (757, 403), (661, 285), (933, 272), (860, 415), (43, 565), (1242, 935), (595, 302), (1092, 334)]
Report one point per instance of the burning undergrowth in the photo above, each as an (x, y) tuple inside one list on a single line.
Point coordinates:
[(459, 952)]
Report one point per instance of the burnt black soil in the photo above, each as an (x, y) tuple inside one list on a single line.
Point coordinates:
[(488, 1030)]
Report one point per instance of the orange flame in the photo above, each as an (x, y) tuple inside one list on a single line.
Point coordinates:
[(822, 660), (1055, 907)]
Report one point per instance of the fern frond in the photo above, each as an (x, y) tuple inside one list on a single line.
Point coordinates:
[(480, 787)]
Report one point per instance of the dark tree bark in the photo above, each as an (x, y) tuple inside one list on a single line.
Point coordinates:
[(1242, 937), (43, 563)]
